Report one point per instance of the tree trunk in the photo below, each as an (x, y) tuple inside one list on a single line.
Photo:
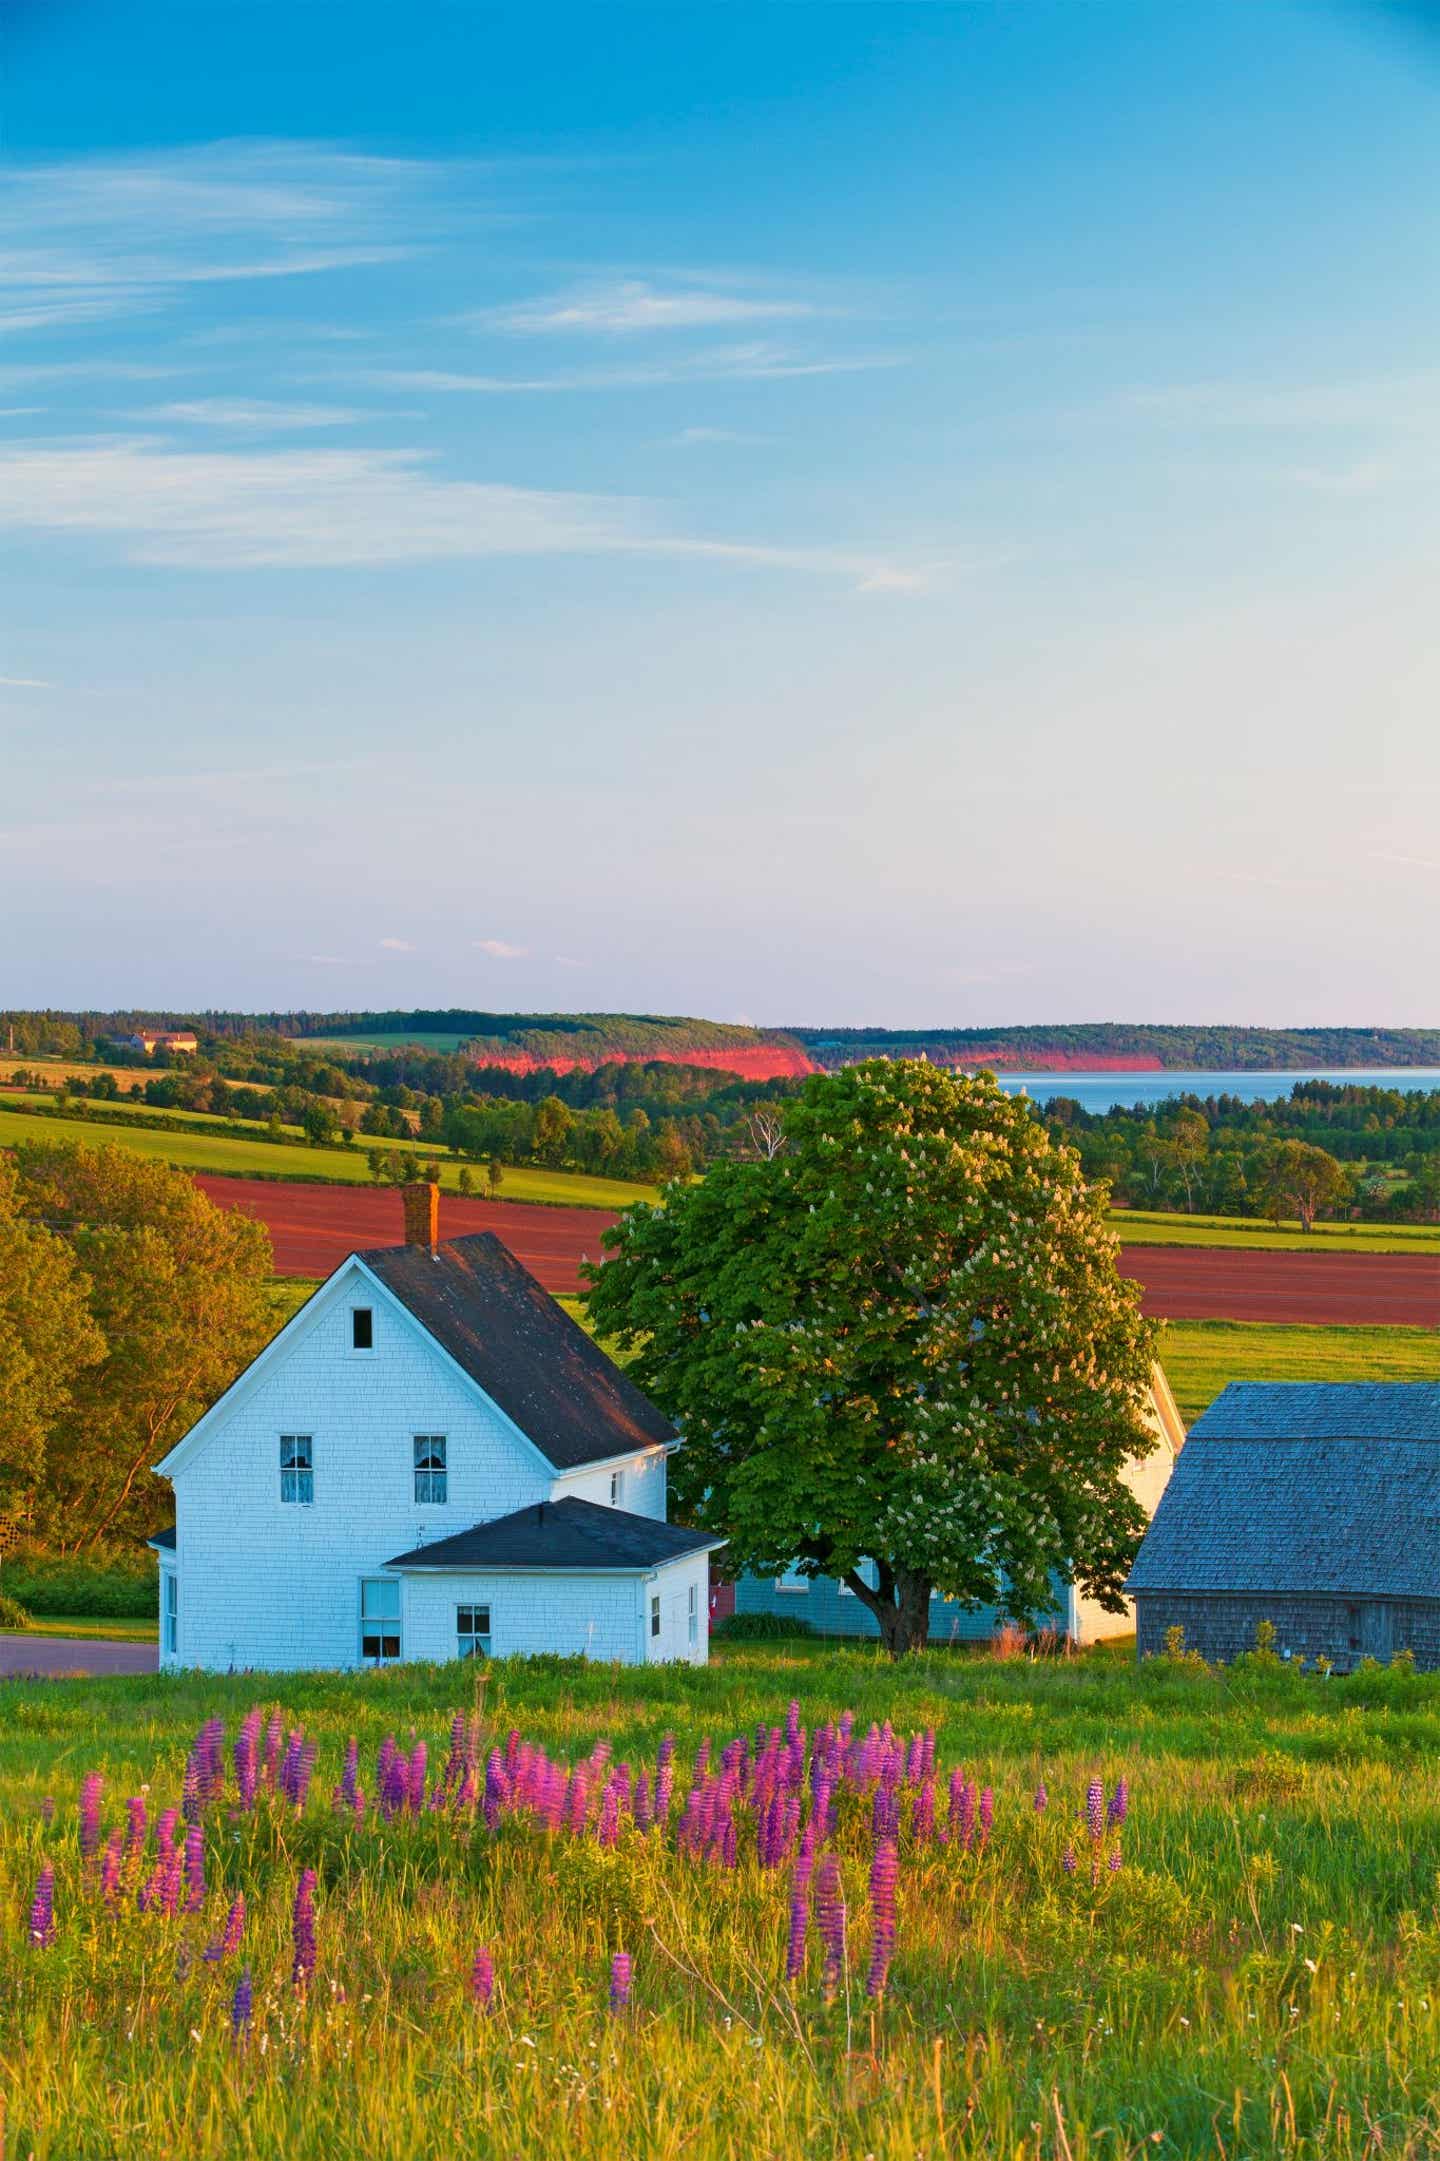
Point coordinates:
[(900, 1603)]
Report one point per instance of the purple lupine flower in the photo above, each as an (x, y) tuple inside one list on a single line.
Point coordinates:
[(620, 1975), (395, 1791), (883, 1871), (643, 1813), (110, 1868), (91, 1788), (274, 1735), (289, 1773), (1113, 1864), (702, 1760), (303, 1929), (922, 1813), (1119, 1807), (136, 1832), (242, 2005), (497, 1789), (419, 1758), (799, 1917), (830, 1920), (968, 1799), (190, 1791), (482, 1980), (247, 1757), (194, 1868), (792, 1721), (42, 1910), (1095, 1808), (231, 1936), (343, 1800), (1068, 1861), (608, 1831), (1042, 1799)]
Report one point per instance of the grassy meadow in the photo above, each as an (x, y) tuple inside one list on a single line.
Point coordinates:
[(1200, 1357), (1249, 1234), (249, 1155), (1259, 1974)]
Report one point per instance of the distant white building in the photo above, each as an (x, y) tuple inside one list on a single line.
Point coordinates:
[(153, 1039), (430, 1461)]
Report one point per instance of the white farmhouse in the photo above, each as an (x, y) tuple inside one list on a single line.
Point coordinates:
[(430, 1461)]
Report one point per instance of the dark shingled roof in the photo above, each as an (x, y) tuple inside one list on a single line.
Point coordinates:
[(164, 1540), (568, 1533), (1323, 1411), (487, 1310), (1296, 1488)]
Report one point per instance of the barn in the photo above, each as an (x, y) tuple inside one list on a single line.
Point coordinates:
[(1313, 1507)]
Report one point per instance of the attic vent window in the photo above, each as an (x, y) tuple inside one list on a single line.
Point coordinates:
[(362, 1328)]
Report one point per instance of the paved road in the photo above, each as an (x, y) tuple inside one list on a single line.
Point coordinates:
[(34, 1655)]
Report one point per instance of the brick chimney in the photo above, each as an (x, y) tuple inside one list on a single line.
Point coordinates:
[(422, 1214)]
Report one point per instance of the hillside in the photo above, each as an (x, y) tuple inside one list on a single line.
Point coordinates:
[(1116, 1046), (559, 1042)]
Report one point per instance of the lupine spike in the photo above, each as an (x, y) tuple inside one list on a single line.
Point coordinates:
[(303, 1929), (91, 1788), (482, 1980), (621, 1970), (1119, 1804), (42, 1910), (1095, 1808), (883, 1872), (241, 2006), (194, 1868)]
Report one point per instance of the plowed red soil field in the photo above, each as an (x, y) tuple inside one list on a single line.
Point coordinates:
[(314, 1227)]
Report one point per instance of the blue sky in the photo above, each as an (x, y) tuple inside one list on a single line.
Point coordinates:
[(914, 514)]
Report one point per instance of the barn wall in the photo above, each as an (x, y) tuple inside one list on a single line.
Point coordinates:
[(1342, 1630)]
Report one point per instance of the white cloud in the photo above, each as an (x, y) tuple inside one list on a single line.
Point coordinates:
[(1410, 862), (686, 437), (97, 237), (24, 682), (634, 304), (563, 960), (253, 413), (1402, 401), (396, 945), (328, 508), (497, 949), (758, 361)]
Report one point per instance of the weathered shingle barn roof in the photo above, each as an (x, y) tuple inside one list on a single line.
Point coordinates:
[(1332, 1490), (487, 1310), (567, 1534)]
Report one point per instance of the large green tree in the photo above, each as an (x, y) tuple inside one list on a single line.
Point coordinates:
[(177, 1289), (47, 1339), (901, 1339)]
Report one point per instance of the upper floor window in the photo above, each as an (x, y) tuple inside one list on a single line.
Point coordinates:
[(617, 1487), (430, 1474), (297, 1467), (362, 1328)]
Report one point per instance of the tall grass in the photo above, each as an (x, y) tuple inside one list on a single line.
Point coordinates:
[(1261, 1975)]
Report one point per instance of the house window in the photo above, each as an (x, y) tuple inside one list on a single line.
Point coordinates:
[(297, 1467), (379, 1620), (430, 1477), (790, 1579), (617, 1487), (362, 1328), (655, 1616), (172, 1613), (472, 1631), (693, 1616)]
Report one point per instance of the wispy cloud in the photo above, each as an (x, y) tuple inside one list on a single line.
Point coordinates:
[(396, 945), (1408, 862), (756, 362), (253, 414), (98, 237), (498, 949), (631, 305), (1348, 482), (1402, 401), (303, 509), (695, 438), (24, 682)]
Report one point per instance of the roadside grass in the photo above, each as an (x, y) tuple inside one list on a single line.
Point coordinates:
[(1261, 1975), (1140, 1227), (250, 1156), (99, 1629)]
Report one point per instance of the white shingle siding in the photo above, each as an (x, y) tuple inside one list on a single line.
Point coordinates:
[(275, 1585)]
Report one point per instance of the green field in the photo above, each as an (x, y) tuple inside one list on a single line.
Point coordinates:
[(108, 1629), (353, 1045), (1138, 1227), (1260, 1975), (248, 1156), (1200, 1357)]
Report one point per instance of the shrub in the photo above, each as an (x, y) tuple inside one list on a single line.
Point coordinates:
[(12, 1613), (761, 1627), (108, 1583)]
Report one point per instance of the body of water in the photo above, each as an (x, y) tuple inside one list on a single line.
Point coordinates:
[(1100, 1092)]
